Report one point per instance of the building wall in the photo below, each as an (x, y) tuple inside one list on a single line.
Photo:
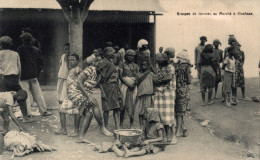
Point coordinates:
[(51, 28)]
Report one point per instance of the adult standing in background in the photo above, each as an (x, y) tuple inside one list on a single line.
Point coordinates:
[(35, 42), (198, 51), (143, 53), (63, 74), (30, 58), (239, 76), (218, 57), (208, 75), (160, 50), (10, 72)]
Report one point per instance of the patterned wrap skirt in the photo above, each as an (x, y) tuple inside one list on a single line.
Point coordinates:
[(239, 76), (182, 100), (164, 100), (80, 101)]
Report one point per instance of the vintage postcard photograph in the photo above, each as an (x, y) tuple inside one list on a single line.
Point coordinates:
[(129, 79)]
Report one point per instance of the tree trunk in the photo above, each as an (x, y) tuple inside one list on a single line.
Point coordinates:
[(76, 38)]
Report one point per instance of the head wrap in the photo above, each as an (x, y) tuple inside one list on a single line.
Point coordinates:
[(216, 41), (170, 52), (160, 57), (130, 52), (208, 48), (109, 51), (142, 42), (152, 114), (183, 57), (6, 40), (203, 38)]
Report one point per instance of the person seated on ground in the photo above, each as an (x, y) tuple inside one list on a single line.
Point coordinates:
[(7, 100), (67, 106), (80, 93), (153, 132)]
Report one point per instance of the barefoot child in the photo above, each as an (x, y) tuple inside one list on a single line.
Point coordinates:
[(153, 132), (67, 107), (229, 72), (6, 107), (127, 75), (145, 91), (183, 80), (164, 98)]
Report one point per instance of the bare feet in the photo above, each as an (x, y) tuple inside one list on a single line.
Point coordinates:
[(178, 134), (106, 132), (228, 104), (184, 132), (46, 113), (210, 102), (117, 151), (127, 152), (61, 131), (117, 142), (74, 134), (82, 140), (27, 120), (174, 140)]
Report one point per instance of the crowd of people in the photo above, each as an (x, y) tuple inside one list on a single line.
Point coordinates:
[(130, 83), (215, 66)]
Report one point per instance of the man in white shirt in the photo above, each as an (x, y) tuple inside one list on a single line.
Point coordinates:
[(10, 72)]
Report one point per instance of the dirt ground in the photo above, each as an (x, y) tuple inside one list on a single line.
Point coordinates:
[(232, 133)]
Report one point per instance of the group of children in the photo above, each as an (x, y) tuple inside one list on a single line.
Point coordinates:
[(158, 94)]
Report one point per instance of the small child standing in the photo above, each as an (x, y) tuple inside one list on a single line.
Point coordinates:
[(183, 80), (145, 91), (67, 106), (6, 107), (229, 80)]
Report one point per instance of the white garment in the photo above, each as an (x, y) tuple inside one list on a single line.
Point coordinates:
[(6, 98), (9, 63), (63, 71)]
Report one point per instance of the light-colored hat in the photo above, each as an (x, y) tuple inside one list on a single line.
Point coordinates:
[(142, 42), (183, 56)]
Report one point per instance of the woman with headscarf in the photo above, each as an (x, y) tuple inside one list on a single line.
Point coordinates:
[(239, 74), (109, 85), (127, 74), (183, 80), (208, 75), (143, 53), (164, 98)]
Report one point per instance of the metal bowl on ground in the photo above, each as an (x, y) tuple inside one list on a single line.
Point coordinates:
[(129, 135)]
